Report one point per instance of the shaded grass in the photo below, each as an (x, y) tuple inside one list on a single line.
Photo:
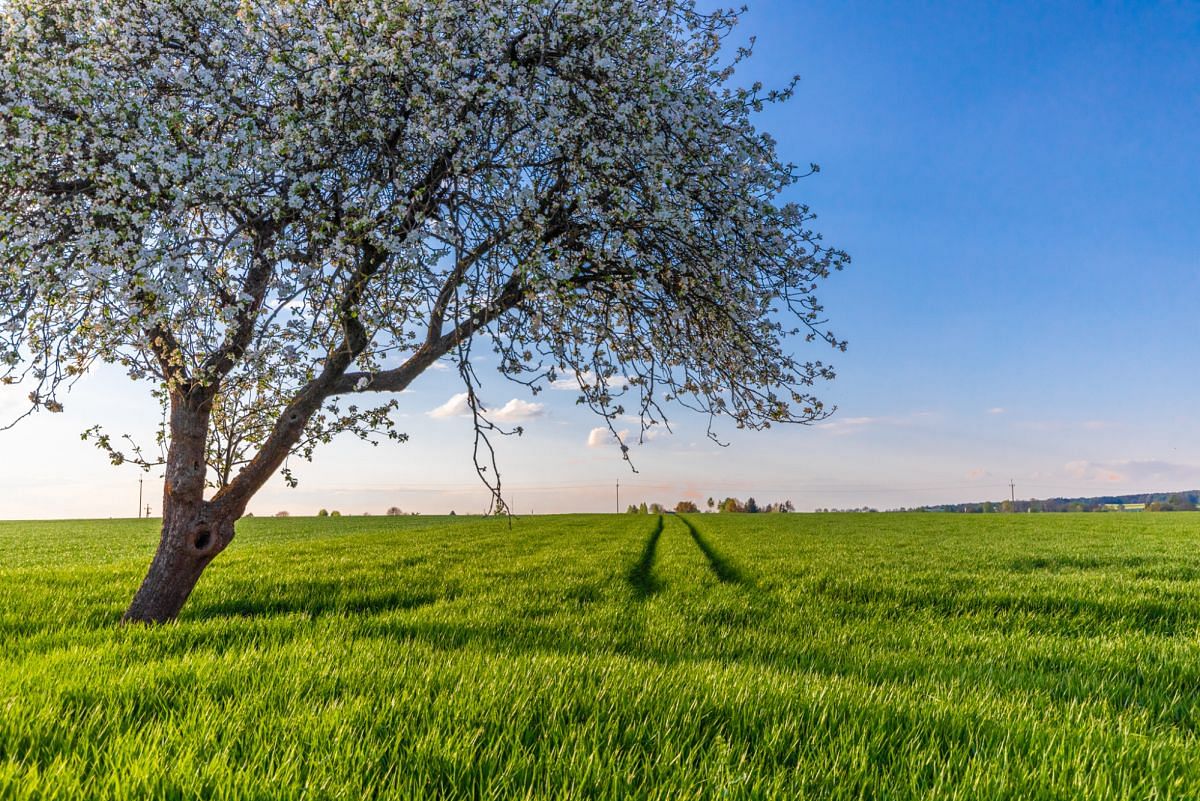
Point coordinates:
[(641, 575), (897, 656), (721, 566)]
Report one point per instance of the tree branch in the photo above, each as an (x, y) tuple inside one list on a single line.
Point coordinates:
[(163, 343), (258, 280)]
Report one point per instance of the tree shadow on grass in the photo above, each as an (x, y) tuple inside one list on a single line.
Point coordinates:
[(722, 567), (315, 599), (641, 575), (1061, 562)]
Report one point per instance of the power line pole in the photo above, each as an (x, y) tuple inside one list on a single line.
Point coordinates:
[(140, 499), (1012, 488)]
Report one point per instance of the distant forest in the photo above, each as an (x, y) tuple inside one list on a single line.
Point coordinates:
[(1188, 501)]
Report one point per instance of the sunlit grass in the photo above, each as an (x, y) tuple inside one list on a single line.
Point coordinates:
[(782, 656)]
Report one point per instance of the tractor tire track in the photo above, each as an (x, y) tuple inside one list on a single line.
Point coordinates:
[(724, 570), (641, 576)]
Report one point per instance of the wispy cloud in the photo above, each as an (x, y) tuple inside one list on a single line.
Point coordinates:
[(1064, 425), (1132, 470), (997, 410), (654, 432), (851, 425), (845, 425), (634, 423), (588, 378)]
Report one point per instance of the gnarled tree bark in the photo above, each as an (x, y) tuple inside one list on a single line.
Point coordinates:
[(193, 531)]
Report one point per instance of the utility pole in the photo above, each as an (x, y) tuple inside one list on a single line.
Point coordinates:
[(147, 511), (1012, 488), (618, 496), (140, 499)]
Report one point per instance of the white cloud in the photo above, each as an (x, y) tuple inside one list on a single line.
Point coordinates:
[(517, 409), (633, 428), (600, 436), (588, 378), (457, 406), (996, 410)]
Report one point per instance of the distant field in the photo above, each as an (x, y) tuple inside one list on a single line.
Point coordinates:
[(748, 656)]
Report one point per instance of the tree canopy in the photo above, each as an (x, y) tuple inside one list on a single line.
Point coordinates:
[(265, 208)]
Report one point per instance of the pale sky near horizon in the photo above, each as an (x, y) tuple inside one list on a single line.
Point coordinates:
[(1019, 187)]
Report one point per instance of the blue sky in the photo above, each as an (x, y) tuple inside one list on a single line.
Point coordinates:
[(1019, 187)]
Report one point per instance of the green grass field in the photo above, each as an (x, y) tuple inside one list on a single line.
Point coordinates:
[(746, 656)]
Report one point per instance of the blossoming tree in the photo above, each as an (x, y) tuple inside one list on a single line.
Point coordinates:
[(267, 209)]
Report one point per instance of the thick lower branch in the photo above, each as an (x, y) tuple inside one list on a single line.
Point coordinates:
[(289, 428)]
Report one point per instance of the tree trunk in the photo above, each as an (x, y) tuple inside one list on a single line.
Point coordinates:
[(193, 530), (189, 542)]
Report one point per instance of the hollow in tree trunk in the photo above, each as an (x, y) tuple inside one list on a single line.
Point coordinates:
[(190, 540)]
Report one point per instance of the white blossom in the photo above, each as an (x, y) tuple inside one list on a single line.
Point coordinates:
[(279, 202)]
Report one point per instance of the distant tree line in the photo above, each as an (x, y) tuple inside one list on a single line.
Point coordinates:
[(751, 506), (1150, 502), (854, 509)]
